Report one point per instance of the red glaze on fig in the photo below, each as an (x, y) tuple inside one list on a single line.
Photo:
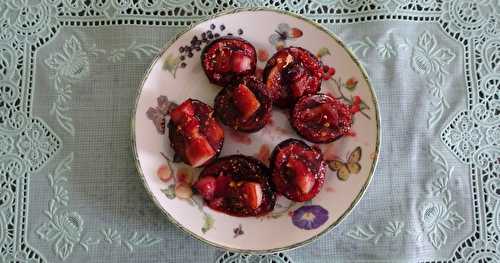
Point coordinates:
[(291, 73), (227, 59), (244, 106), (195, 135), (237, 185), (298, 170), (321, 118)]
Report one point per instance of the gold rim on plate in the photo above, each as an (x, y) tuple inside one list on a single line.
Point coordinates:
[(279, 249)]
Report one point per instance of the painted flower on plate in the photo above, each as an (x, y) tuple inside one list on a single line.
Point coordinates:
[(283, 34), (159, 113), (309, 217)]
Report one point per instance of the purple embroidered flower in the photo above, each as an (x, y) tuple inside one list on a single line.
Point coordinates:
[(309, 217)]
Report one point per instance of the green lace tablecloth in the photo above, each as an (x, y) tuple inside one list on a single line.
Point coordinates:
[(69, 71)]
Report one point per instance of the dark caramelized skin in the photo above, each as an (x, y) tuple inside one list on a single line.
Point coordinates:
[(195, 135), (244, 106), (291, 73), (227, 59), (298, 171), (321, 118), (225, 185)]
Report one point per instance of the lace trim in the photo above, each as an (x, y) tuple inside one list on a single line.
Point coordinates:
[(29, 144)]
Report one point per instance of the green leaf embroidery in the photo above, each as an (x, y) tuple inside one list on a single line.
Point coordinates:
[(169, 191), (64, 229)]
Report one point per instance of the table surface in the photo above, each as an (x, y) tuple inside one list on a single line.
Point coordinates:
[(69, 72)]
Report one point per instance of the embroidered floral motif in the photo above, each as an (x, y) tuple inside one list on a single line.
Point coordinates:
[(459, 18), (138, 50), (71, 64), (367, 233), (430, 61), (428, 58), (436, 214), (64, 229), (438, 102), (385, 49), (112, 236), (437, 220)]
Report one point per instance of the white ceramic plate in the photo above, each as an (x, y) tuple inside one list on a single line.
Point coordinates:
[(173, 80)]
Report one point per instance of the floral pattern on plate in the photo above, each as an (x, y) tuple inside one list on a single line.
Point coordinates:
[(165, 179)]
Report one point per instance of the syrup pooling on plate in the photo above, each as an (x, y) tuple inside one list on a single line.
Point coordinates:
[(237, 185), (291, 73), (227, 59), (298, 170), (195, 135)]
